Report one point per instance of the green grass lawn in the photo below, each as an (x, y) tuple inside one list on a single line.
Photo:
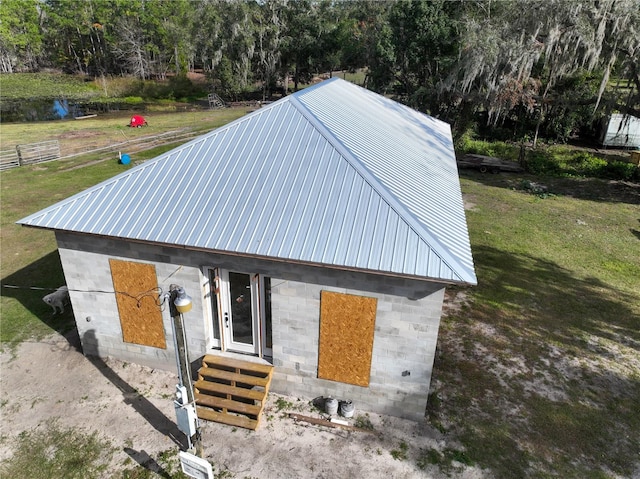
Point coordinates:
[(538, 370), (111, 128), (29, 86), (29, 256)]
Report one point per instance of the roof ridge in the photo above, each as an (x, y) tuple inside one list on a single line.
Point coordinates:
[(441, 250)]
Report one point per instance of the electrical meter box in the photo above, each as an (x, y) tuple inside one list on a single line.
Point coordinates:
[(181, 395), (187, 418)]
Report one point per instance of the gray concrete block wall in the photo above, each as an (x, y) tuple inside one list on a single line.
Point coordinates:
[(405, 333), (88, 277), (403, 349)]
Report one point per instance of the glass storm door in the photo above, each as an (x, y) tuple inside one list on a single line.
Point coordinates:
[(239, 302), (240, 312)]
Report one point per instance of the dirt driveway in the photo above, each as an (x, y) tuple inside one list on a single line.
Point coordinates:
[(132, 407)]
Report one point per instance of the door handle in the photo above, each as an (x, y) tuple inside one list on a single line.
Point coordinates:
[(226, 319)]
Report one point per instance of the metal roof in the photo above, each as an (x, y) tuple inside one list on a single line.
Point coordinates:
[(332, 175)]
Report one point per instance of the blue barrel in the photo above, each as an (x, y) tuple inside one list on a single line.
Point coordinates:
[(125, 159)]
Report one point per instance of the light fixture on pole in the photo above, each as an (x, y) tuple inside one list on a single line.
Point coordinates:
[(182, 301), (187, 418)]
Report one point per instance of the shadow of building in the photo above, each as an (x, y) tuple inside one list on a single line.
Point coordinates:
[(133, 398)]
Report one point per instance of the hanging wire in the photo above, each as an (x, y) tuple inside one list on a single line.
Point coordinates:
[(155, 293), (174, 272)]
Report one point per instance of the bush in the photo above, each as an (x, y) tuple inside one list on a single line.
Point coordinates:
[(463, 142), (182, 88), (132, 100), (586, 164), (564, 162), (153, 90), (618, 170), (498, 149), (542, 163), (118, 87)]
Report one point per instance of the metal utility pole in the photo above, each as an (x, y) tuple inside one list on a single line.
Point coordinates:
[(187, 418)]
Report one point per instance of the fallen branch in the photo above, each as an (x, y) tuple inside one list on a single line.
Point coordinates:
[(324, 422)]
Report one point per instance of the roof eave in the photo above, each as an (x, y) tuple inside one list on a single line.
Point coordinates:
[(334, 267)]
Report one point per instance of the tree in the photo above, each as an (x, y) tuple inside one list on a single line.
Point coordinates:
[(239, 45), (300, 41), (75, 35), (165, 23), (309, 45), (20, 35), (270, 26), (424, 45), (132, 40), (509, 42), (366, 40), (207, 34), (225, 30)]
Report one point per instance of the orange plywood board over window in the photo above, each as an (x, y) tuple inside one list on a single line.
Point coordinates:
[(136, 287), (347, 324)]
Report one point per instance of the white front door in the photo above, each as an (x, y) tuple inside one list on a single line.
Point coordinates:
[(239, 301), (240, 311)]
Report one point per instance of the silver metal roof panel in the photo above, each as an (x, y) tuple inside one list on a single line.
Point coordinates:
[(332, 175)]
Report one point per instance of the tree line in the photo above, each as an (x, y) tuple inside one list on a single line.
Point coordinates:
[(531, 67)]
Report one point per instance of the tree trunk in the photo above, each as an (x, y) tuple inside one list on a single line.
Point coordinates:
[(535, 137), (296, 78), (141, 69), (7, 67)]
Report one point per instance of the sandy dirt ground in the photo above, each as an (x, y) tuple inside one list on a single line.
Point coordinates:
[(131, 406)]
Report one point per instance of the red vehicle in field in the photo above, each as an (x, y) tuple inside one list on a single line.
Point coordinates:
[(137, 121)]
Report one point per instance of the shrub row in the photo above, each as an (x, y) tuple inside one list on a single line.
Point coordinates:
[(553, 161), (581, 164)]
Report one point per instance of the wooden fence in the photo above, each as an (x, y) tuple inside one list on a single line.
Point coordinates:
[(50, 150), (9, 159), (30, 154), (139, 144)]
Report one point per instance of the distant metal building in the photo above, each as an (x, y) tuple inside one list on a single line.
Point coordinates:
[(621, 131), (316, 234)]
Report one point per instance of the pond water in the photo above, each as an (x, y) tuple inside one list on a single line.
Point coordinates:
[(50, 109)]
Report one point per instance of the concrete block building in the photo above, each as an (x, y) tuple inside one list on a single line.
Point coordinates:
[(316, 234)]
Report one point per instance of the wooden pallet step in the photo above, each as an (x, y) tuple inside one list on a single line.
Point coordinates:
[(232, 391), (213, 361), (228, 404), (234, 377), (219, 388), (230, 419)]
